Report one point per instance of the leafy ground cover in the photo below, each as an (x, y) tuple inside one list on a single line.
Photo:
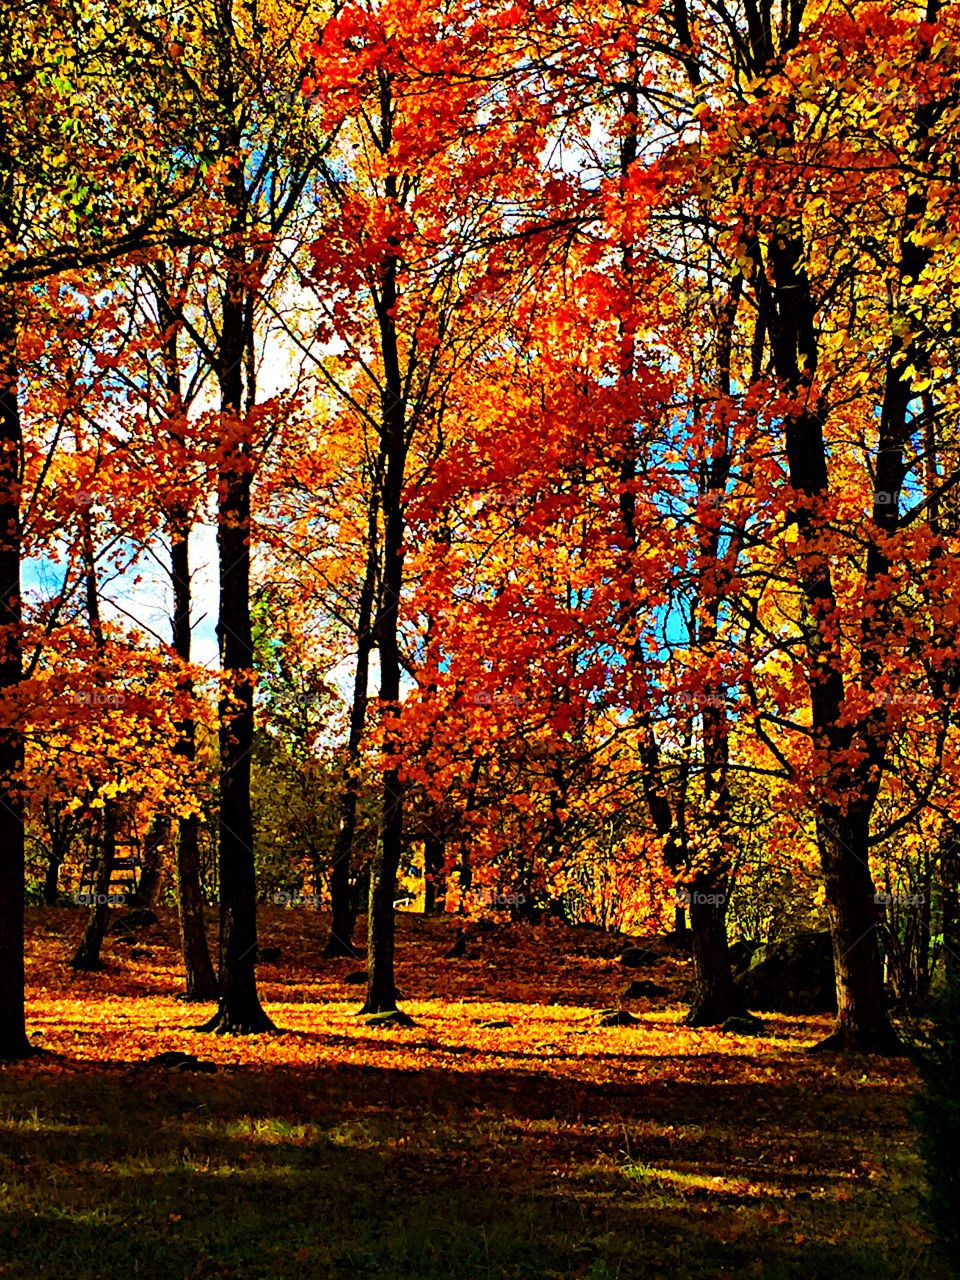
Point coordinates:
[(542, 1146)]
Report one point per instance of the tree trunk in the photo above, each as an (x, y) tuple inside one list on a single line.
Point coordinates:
[(464, 869), (340, 942), (381, 989), (87, 955), (51, 878), (199, 974), (62, 831), (240, 1011), (950, 898), (849, 791), (434, 857), (863, 1023), (201, 980), (343, 922), (716, 996), (151, 873), (13, 1034)]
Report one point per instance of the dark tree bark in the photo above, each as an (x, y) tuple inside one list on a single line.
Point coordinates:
[(51, 878), (60, 829), (239, 1010), (87, 954), (201, 980), (716, 995), (13, 1035), (950, 897), (199, 974), (843, 831), (340, 942), (151, 872), (198, 970), (381, 989), (464, 868), (850, 791), (434, 859), (863, 1022)]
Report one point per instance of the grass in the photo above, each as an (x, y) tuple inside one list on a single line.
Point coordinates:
[(551, 1148)]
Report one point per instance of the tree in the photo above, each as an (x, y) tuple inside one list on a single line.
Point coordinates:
[(81, 182), (412, 195)]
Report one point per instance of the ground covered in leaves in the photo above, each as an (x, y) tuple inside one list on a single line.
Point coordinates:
[(505, 1134)]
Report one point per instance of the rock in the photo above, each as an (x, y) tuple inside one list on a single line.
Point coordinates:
[(459, 947), (680, 941), (586, 1253), (618, 1018), (392, 1018), (747, 1026), (640, 989), (140, 918), (267, 955), (741, 953), (141, 953), (636, 957), (792, 975), (177, 1061)]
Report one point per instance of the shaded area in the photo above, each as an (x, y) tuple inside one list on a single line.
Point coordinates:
[(269, 1174), (536, 1145)]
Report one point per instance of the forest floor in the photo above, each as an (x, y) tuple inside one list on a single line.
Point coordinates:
[(546, 1147)]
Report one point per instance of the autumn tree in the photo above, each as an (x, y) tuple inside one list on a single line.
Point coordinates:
[(82, 180), (416, 189)]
